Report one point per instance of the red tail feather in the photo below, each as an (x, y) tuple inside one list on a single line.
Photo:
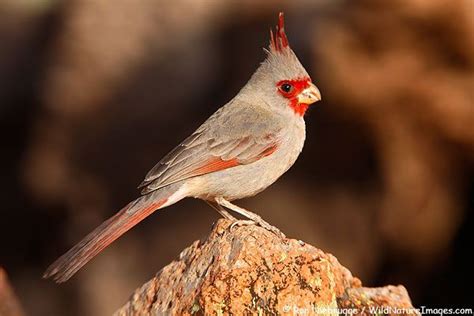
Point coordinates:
[(69, 263)]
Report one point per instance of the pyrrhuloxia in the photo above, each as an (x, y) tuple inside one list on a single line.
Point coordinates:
[(239, 151)]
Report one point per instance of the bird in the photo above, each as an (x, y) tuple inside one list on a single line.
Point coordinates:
[(240, 150)]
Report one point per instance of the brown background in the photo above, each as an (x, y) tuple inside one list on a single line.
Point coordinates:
[(93, 93)]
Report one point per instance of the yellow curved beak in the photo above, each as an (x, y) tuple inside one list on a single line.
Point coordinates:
[(309, 95)]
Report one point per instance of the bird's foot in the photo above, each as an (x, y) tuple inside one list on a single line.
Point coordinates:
[(241, 222), (253, 218), (269, 227)]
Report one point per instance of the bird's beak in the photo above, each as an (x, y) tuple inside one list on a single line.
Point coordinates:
[(309, 95)]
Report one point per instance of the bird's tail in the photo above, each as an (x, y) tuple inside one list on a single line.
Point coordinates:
[(134, 212)]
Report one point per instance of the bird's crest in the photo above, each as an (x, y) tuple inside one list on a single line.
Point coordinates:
[(279, 41)]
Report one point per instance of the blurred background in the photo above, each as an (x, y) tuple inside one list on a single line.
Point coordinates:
[(94, 93)]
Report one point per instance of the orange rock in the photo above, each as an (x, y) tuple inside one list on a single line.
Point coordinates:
[(249, 270)]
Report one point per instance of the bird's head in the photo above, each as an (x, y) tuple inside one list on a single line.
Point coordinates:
[(281, 80)]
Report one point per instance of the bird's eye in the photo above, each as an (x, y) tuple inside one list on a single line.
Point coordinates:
[(286, 87)]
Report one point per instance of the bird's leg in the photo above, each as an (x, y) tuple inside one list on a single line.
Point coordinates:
[(221, 210), (252, 216), (241, 222)]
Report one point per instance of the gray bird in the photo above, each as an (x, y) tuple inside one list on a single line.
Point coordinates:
[(238, 152)]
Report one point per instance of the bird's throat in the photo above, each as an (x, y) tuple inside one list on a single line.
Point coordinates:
[(298, 108)]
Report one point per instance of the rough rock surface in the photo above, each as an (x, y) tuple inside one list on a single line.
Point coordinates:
[(248, 270)]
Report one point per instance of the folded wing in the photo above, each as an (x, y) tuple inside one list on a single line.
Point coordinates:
[(241, 135)]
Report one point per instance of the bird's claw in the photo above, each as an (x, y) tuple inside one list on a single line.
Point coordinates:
[(272, 229), (241, 223)]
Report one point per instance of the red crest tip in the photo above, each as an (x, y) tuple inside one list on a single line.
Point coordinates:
[(279, 41)]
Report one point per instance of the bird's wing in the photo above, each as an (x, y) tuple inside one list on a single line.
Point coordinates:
[(237, 134)]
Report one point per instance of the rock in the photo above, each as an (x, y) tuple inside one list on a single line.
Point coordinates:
[(249, 270)]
